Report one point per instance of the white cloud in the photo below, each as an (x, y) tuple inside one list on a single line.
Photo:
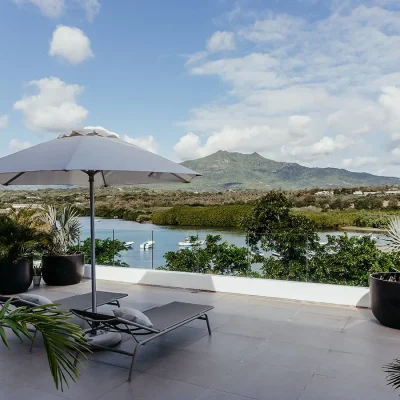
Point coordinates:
[(16, 145), (3, 121), (299, 126), (70, 44), (245, 140), (92, 8), (53, 109), (49, 8), (221, 41), (145, 142), (337, 75), (358, 162), (56, 8), (273, 28), (325, 146)]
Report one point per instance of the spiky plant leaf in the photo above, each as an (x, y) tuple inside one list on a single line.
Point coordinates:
[(393, 233), (393, 373), (62, 339)]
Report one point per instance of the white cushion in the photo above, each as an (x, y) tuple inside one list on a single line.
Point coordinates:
[(130, 314), (104, 338), (35, 299)]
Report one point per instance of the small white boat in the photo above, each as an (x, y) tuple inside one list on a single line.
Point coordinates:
[(189, 243), (129, 245), (147, 245), (257, 253)]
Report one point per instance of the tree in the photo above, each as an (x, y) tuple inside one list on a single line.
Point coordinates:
[(217, 258), (62, 339), (275, 228), (107, 251), (368, 203)]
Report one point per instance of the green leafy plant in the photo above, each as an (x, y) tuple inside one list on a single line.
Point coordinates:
[(215, 257), (107, 251), (62, 339), (275, 228), (63, 229), (18, 241)]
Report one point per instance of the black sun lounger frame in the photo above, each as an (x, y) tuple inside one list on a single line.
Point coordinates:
[(81, 300), (178, 314)]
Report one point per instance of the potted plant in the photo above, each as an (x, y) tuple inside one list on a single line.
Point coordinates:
[(37, 274), (385, 286), (60, 265), (19, 244)]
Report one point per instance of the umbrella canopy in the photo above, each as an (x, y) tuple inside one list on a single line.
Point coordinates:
[(67, 160), (93, 158)]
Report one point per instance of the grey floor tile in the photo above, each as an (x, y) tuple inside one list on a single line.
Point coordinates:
[(265, 382), (289, 355), (217, 395), (24, 393), (147, 356), (328, 388), (365, 345), (216, 319), (253, 327), (254, 310), (306, 336), (341, 311), (151, 387), (96, 380), (330, 322), (359, 368), (229, 346), (370, 327), (193, 367)]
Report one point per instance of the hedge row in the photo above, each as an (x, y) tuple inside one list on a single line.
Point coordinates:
[(223, 216)]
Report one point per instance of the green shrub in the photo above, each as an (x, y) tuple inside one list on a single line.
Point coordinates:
[(224, 216)]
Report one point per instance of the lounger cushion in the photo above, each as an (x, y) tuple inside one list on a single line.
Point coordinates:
[(130, 314), (35, 299), (104, 338)]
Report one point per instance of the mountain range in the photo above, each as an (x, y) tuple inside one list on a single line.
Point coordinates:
[(226, 170)]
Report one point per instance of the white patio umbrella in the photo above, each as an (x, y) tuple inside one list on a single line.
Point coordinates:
[(90, 158)]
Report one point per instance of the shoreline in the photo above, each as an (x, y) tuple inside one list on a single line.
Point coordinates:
[(361, 229)]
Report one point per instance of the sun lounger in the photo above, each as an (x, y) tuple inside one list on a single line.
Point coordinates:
[(79, 302), (164, 319)]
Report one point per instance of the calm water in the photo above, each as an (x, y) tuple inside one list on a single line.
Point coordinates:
[(166, 238)]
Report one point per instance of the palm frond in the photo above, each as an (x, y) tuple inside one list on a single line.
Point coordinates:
[(393, 233), (393, 373), (62, 339), (64, 228)]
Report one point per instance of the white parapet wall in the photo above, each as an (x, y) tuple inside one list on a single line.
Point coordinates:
[(302, 291)]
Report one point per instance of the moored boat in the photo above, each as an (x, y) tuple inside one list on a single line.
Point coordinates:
[(147, 245)]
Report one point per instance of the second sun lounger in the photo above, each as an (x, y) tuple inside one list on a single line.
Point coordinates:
[(164, 319)]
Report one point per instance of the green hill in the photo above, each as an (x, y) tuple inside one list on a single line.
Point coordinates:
[(225, 170)]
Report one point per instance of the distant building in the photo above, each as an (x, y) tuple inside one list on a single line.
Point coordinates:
[(324, 193), (18, 206), (371, 193), (358, 193), (391, 191)]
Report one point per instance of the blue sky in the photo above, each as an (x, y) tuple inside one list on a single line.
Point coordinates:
[(309, 81)]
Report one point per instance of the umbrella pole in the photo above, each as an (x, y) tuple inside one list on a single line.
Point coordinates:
[(92, 240)]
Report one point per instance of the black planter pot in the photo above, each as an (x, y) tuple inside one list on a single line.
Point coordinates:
[(385, 299), (63, 270), (15, 278)]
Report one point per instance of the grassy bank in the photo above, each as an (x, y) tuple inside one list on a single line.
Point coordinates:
[(232, 215), (222, 216)]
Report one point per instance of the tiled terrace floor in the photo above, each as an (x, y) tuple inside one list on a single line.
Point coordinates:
[(259, 349)]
